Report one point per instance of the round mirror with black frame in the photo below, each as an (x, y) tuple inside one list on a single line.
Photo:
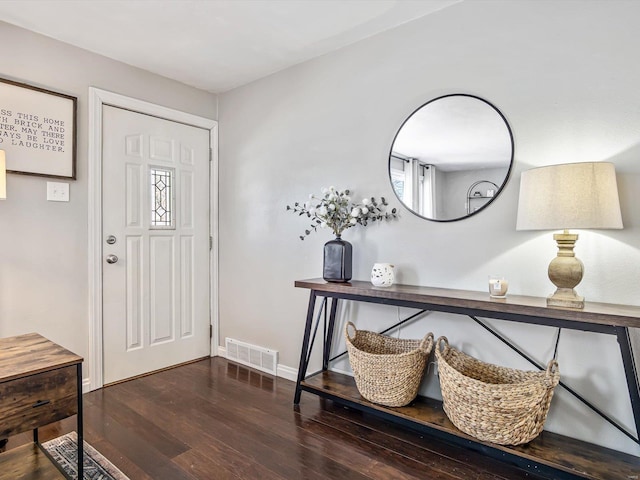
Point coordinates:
[(451, 157)]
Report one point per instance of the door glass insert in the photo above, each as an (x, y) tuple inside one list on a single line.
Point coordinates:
[(162, 198)]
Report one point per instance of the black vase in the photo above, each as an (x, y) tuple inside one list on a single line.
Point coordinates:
[(337, 261)]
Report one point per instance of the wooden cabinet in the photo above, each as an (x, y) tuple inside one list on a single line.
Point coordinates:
[(40, 383), (552, 455)]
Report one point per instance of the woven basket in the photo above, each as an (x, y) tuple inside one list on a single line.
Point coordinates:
[(492, 403), (388, 370)]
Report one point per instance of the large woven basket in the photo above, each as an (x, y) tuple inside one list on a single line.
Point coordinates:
[(387, 370), (492, 403)]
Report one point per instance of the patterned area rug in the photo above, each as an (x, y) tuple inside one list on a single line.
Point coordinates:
[(96, 467)]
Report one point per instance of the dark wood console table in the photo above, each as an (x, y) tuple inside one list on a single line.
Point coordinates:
[(554, 455), (40, 383)]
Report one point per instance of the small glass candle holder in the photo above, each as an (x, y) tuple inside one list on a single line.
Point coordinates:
[(498, 286)]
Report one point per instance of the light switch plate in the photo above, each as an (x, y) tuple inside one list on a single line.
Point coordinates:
[(57, 192)]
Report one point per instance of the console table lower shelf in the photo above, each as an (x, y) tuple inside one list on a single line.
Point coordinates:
[(560, 453)]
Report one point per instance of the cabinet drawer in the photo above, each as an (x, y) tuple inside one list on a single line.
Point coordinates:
[(31, 402)]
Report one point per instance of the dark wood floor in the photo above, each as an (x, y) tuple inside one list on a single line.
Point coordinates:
[(216, 420)]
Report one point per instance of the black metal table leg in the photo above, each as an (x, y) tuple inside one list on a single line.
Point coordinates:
[(79, 425), (329, 338), (302, 368), (631, 374)]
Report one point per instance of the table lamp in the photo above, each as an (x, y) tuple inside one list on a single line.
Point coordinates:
[(560, 197), (3, 176)]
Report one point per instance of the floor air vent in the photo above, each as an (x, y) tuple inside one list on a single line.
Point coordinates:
[(257, 357)]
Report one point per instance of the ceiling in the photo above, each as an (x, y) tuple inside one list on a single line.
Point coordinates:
[(214, 45), (464, 132)]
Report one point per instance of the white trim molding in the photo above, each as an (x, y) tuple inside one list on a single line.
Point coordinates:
[(288, 372), (97, 99), (86, 385)]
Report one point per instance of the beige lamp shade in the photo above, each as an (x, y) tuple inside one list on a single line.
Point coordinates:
[(3, 175), (560, 197), (573, 195)]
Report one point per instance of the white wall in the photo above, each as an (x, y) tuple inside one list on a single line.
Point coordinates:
[(43, 245), (565, 75)]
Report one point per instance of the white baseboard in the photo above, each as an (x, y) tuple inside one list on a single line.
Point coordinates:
[(86, 385), (287, 372), (292, 373)]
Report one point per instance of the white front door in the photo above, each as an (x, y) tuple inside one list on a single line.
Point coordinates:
[(155, 225)]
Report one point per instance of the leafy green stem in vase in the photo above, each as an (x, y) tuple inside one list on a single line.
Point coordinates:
[(335, 210)]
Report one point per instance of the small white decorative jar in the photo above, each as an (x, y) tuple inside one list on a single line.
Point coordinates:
[(382, 274)]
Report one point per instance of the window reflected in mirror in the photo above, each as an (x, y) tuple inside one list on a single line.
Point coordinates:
[(451, 158)]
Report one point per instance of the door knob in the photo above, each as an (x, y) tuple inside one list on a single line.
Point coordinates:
[(112, 258)]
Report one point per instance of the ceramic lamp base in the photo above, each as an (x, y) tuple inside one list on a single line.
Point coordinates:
[(565, 297), (565, 271)]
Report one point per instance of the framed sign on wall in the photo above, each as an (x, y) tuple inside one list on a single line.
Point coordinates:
[(37, 130)]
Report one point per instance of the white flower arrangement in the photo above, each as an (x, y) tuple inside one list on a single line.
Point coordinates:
[(335, 210)]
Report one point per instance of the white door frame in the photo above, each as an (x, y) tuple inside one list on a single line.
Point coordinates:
[(97, 99)]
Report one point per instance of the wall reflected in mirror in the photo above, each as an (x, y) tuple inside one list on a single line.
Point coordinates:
[(451, 157)]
